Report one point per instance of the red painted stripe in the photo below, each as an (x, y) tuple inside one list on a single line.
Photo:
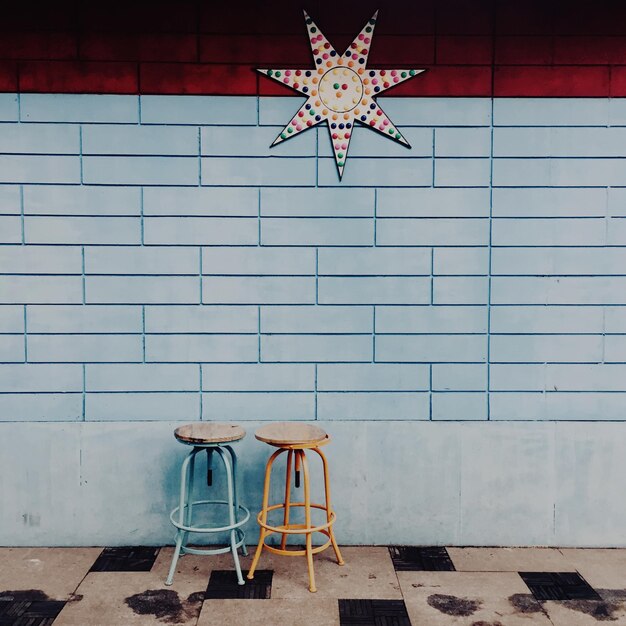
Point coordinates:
[(530, 17), (8, 76), (456, 17), (29, 45), (618, 82), (556, 81), (470, 47), (467, 81), (77, 77), (464, 50), (196, 78), (255, 50), (524, 50), (166, 47)]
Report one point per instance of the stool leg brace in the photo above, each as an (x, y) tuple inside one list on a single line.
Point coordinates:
[(306, 529), (185, 509)]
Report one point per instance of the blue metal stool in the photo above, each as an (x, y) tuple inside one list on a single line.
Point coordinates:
[(213, 438)]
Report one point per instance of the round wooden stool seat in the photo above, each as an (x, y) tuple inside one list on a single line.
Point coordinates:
[(292, 435), (201, 433)]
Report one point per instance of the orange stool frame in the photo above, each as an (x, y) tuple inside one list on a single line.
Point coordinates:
[(296, 451)]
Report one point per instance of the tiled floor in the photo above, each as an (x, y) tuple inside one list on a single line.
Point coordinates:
[(378, 586)]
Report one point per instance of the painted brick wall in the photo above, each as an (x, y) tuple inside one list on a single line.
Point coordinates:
[(454, 315), (158, 261)]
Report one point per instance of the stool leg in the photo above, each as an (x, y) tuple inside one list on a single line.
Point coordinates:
[(283, 541), (307, 518), (231, 512), (189, 508), (233, 458), (266, 495), (340, 560), (183, 499)]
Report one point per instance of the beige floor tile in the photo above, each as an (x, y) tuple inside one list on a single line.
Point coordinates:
[(586, 612), (508, 560), (312, 611), (190, 568), (54, 571), (121, 598), (368, 573), (467, 598), (601, 568)]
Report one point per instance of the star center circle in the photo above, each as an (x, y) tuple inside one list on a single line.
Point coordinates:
[(340, 89)]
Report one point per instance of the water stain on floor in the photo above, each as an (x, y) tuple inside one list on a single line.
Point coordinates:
[(451, 605), (24, 595), (525, 603), (598, 609), (166, 605)]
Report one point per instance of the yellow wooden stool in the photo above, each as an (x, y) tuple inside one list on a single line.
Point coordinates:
[(295, 438)]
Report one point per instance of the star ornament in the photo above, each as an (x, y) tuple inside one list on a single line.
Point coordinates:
[(341, 91)]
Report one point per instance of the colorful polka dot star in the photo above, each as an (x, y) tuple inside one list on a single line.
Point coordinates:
[(340, 91)]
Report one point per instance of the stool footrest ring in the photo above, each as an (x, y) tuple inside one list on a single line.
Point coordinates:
[(296, 529), (241, 540), (215, 529), (285, 552)]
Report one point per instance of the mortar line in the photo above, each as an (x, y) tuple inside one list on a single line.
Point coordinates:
[(489, 275), (259, 333), (199, 157), (259, 216), (143, 332), (84, 392), (142, 226), (434, 160), (200, 275), (374, 334), (317, 280), (83, 277), (430, 391), (25, 335), (22, 218), (201, 400), (315, 389), (80, 149), (375, 217)]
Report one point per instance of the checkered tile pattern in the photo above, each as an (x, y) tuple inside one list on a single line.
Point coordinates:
[(395, 586)]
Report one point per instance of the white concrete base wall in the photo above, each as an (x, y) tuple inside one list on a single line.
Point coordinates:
[(453, 483)]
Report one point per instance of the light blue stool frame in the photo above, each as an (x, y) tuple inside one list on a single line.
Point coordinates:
[(181, 515)]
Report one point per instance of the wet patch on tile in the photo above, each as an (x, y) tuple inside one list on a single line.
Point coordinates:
[(366, 612), (559, 586), (223, 585), (164, 604), (31, 607), (525, 603), (600, 610), (452, 605), (420, 559), (127, 559)]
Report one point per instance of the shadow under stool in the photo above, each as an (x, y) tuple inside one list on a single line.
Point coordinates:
[(214, 439), (294, 439)]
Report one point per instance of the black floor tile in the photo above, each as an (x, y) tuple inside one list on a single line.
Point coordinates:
[(559, 586), (140, 559), (24, 612), (373, 613), (223, 586), (420, 559)]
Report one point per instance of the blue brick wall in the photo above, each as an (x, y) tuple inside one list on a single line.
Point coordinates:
[(159, 262)]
